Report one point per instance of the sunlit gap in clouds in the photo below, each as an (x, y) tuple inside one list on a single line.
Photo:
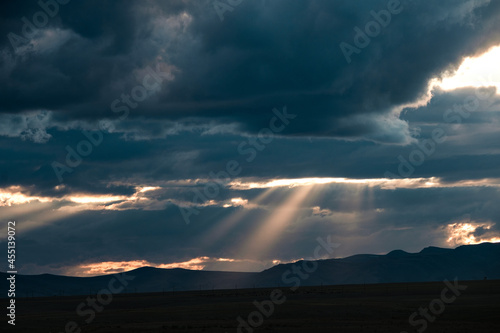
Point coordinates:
[(481, 71), (34, 211), (469, 232), (39, 211), (383, 183), (14, 195), (102, 199), (477, 72)]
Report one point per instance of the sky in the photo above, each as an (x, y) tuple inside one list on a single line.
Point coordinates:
[(230, 135)]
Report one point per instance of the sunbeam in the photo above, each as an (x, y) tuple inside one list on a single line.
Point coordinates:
[(222, 228), (272, 228)]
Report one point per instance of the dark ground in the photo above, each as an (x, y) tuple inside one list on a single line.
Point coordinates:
[(351, 308)]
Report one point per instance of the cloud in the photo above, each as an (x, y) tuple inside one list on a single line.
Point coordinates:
[(261, 57), (464, 233), (317, 211), (221, 81), (365, 218), (30, 126)]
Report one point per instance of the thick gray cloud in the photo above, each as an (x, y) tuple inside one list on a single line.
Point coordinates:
[(215, 86), (262, 54)]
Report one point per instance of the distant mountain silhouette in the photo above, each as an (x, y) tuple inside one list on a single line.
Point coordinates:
[(468, 262)]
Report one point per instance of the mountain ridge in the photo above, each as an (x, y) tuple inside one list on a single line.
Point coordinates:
[(466, 262)]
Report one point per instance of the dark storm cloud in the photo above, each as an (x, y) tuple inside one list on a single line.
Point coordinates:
[(467, 119), (221, 81), (262, 54), (469, 152), (460, 106)]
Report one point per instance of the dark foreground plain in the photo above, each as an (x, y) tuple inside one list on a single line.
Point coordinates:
[(349, 308)]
